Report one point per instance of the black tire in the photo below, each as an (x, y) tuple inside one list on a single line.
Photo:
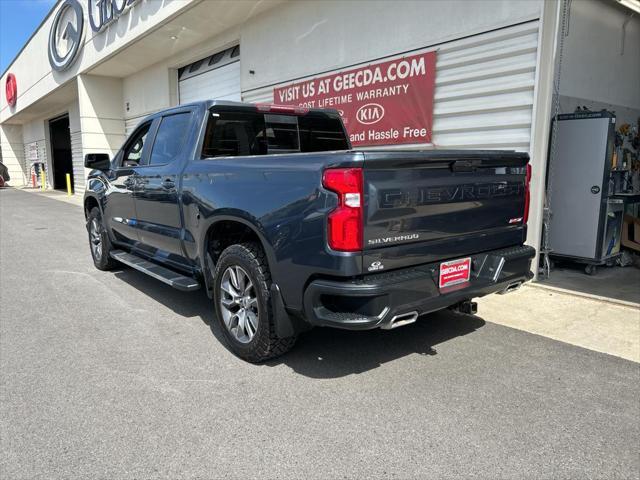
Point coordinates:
[(102, 260), (264, 344)]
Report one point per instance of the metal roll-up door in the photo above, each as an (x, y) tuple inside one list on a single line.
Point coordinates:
[(484, 89), (131, 123), (216, 77)]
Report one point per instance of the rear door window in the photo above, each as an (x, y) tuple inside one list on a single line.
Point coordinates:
[(170, 138)]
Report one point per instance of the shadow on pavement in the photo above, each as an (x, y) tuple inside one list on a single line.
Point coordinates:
[(324, 352), (332, 353)]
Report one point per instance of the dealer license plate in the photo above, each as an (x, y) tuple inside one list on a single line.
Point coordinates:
[(455, 272)]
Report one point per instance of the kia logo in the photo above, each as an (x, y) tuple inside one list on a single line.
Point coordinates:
[(370, 113), (11, 90), (65, 37)]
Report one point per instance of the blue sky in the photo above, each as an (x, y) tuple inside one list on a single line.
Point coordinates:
[(18, 20)]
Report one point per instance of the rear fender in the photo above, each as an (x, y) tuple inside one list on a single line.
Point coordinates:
[(206, 261)]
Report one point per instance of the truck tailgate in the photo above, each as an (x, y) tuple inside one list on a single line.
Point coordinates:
[(428, 206)]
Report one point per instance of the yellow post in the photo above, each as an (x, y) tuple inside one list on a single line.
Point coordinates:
[(43, 180), (68, 185)]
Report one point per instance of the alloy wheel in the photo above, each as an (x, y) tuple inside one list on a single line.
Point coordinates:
[(239, 304), (95, 239)]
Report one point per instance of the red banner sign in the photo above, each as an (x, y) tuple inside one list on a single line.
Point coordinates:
[(381, 104)]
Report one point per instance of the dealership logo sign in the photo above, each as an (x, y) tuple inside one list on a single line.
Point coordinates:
[(65, 37), (11, 90), (104, 12), (370, 113)]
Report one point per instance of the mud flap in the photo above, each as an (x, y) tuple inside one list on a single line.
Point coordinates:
[(210, 267), (283, 323)]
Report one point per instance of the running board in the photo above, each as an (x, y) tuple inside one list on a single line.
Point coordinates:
[(174, 279)]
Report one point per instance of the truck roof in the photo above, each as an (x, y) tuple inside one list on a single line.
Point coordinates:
[(244, 106)]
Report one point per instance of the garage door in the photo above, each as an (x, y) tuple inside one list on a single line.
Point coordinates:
[(216, 77)]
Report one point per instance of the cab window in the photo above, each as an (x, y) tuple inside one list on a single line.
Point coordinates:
[(135, 147), (232, 134)]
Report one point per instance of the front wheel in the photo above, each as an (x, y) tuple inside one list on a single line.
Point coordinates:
[(99, 241), (242, 302)]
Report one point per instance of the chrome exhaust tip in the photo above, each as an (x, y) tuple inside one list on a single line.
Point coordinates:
[(401, 320), (512, 287)]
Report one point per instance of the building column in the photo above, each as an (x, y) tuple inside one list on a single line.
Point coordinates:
[(101, 114), (541, 121), (12, 153)]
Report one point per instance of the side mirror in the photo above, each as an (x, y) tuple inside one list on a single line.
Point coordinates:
[(97, 161)]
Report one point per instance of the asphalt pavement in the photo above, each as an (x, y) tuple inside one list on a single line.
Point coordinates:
[(115, 375)]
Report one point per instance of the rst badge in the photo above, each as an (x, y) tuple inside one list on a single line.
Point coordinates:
[(455, 272)]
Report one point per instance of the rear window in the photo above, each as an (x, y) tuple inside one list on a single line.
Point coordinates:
[(231, 134), (321, 134), (281, 133)]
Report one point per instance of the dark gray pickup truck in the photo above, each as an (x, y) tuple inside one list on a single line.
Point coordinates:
[(286, 227)]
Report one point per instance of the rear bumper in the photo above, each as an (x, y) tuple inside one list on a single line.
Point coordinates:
[(374, 300)]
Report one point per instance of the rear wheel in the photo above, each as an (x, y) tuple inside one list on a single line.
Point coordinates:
[(99, 241), (242, 283)]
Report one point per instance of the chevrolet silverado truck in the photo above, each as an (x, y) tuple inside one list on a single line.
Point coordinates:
[(270, 210)]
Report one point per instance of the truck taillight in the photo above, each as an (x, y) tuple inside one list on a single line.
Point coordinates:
[(344, 223), (527, 194)]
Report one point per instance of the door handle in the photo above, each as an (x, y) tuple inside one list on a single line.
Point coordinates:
[(129, 183), (168, 184)]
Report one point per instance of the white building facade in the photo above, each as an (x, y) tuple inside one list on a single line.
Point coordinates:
[(97, 67)]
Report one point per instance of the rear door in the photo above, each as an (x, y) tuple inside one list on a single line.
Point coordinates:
[(157, 193), (426, 206)]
